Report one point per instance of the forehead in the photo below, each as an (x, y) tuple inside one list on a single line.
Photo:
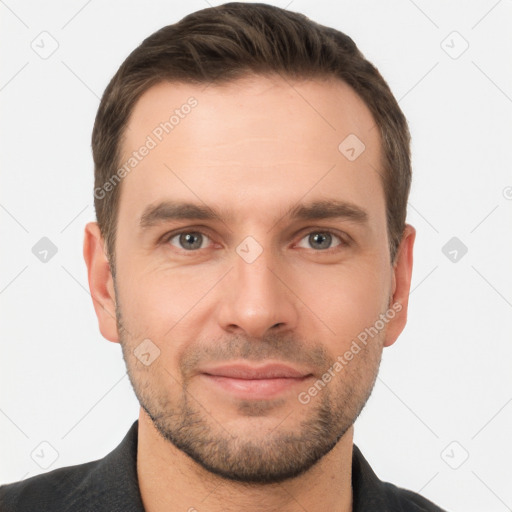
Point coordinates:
[(260, 141)]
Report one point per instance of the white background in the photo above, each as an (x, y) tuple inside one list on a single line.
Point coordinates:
[(448, 378)]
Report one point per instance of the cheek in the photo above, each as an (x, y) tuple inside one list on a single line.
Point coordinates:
[(346, 298), (160, 302)]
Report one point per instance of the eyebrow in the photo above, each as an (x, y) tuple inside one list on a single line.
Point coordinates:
[(316, 210)]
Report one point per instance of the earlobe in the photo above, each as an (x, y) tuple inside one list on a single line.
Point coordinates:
[(401, 285), (100, 280)]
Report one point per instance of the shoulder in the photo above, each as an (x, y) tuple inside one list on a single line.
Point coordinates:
[(51, 491), (370, 493), (105, 485), (404, 500)]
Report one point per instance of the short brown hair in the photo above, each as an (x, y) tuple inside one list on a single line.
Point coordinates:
[(220, 44)]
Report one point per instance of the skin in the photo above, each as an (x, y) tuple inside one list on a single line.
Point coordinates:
[(251, 148)]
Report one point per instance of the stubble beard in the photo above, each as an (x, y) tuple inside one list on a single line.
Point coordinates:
[(275, 457)]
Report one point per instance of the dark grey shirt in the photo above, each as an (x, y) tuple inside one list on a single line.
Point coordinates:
[(110, 485)]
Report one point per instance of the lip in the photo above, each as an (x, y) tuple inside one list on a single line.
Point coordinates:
[(267, 371), (256, 383)]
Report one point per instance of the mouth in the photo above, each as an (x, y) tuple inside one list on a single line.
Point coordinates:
[(255, 383)]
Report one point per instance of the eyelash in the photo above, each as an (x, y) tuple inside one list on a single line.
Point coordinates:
[(343, 239)]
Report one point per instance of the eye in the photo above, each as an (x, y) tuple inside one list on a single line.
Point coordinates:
[(322, 240), (187, 240), (192, 241)]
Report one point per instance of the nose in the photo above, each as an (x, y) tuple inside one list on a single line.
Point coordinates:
[(257, 298)]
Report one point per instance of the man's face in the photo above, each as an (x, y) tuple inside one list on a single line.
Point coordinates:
[(254, 286)]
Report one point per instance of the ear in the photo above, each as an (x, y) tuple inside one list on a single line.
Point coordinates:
[(402, 272), (101, 283)]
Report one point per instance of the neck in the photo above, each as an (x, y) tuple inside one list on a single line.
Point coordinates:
[(171, 481)]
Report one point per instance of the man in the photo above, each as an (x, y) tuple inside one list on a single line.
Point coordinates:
[(251, 257)]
